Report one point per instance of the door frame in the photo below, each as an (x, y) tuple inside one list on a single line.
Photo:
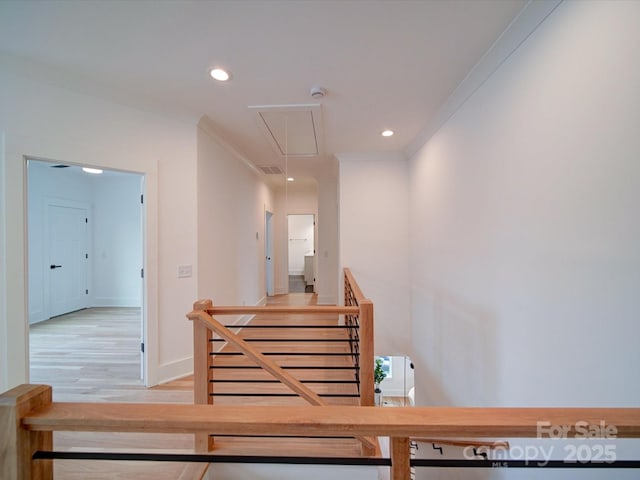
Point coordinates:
[(64, 203), (149, 259)]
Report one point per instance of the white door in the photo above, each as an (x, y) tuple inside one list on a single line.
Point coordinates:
[(68, 259), (268, 248)]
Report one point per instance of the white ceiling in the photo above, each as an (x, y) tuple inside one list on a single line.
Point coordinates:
[(385, 64)]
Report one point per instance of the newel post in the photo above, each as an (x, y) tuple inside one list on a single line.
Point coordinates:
[(400, 458), (17, 444), (201, 362), (366, 354)]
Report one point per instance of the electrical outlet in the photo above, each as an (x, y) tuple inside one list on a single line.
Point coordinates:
[(184, 271)]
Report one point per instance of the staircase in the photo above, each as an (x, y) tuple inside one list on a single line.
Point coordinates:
[(316, 351), (313, 349), (285, 355)]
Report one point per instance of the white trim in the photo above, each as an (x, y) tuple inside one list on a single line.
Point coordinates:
[(4, 338), (115, 302), (520, 28), (174, 370), (149, 189), (205, 125)]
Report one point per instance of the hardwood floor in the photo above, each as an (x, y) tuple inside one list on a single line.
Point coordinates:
[(92, 353), (93, 356)]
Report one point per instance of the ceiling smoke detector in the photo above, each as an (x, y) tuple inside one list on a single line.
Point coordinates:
[(318, 92)]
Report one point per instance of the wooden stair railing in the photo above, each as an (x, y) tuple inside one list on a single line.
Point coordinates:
[(206, 327), (200, 314), (28, 418), (363, 321)]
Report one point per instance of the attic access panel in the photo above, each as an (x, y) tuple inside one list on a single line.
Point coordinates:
[(292, 130)]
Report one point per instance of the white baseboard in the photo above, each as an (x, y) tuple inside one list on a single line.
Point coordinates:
[(170, 371), (116, 302), (37, 317)]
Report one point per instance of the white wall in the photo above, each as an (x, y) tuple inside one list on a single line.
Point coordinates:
[(327, 253), (43, 121), (373, 241), (525, 234), (117, 241), (232, 200)]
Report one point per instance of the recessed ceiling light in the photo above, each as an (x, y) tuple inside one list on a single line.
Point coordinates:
[(387, 133), (219, 74), (290, 179), (95, 171)]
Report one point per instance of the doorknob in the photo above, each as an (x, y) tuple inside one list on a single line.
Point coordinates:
[(268, 258), (55, 266)]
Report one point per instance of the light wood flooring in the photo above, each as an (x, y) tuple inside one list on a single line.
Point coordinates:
[(93, 356)]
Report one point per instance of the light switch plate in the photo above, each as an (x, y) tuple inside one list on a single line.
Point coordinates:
[(184, 271)]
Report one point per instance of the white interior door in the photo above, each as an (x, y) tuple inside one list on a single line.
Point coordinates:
[(268, 247), (68, 259)]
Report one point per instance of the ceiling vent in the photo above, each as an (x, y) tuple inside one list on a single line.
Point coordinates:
[(292, 130), (270, 169)]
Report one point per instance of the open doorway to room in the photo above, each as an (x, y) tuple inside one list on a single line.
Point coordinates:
[(397, 387), (301, 257), (85, 251)]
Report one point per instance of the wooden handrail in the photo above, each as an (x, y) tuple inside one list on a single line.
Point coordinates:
[(354, 285), (28, 418), (353, 294), (286, 309), (323, 421)]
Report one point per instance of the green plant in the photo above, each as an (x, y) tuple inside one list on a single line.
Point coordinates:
[(378, 374)]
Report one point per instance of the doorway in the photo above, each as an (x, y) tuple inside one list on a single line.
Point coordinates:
[(85, 257), (301, 256)]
